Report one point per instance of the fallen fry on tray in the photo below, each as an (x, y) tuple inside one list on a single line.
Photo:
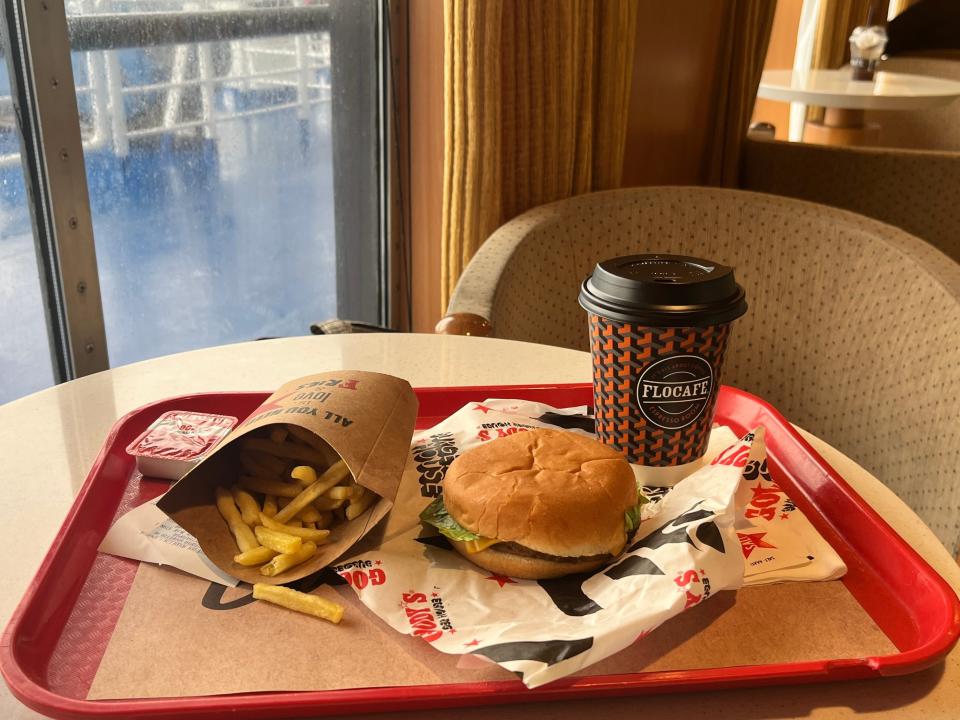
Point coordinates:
[(298, 601)]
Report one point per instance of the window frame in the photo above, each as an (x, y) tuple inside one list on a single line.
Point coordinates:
[(45, 102), (51, 154)]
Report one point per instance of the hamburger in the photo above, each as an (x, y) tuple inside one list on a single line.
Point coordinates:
[(538, 504)]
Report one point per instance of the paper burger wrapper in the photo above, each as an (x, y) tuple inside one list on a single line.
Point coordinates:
[(365, 418)]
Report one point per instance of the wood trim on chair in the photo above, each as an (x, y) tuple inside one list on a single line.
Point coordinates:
[(464, 324)]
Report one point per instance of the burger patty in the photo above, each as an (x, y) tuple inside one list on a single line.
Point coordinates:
[(518, 549)]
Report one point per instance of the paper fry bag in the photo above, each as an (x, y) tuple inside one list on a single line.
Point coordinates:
[(366, 418)]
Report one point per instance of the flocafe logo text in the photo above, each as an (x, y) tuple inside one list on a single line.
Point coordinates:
[(672, 393)]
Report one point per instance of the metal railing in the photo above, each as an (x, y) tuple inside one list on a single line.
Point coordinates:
[(110, 31), (270, 48)]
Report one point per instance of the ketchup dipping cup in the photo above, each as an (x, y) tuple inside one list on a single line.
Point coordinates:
[(177, 440), (658, 330)]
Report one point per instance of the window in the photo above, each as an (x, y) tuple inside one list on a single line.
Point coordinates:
[(24, 360), (232, 159)]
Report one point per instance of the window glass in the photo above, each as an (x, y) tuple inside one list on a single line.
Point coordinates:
[(210, 170), (25, 364)]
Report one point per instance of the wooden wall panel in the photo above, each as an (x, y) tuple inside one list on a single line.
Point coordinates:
[(425, 33), (673, 75)]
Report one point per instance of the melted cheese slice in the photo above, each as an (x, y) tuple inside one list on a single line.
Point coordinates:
[(481, 543)]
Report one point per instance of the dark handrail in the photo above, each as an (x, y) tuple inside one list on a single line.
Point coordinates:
[(121, 30)]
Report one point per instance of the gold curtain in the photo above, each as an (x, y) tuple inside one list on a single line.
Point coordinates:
[(743, 48), (831, 45), (535, 110)]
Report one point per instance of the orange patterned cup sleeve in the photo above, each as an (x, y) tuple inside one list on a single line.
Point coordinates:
[(655, 389)]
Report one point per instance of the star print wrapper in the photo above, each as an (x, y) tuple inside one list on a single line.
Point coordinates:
[(779, 543), (683, 554)]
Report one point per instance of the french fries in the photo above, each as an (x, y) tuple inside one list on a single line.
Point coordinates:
[(341, 492), (326, 504), (284, 450), (334, 474), (269, 487), (309, 514), (249, 509), (242, 533), (317, 536), (280, 541), (258, 463), (285, 561), (298, 601), (307, 438), (305, 474), (291, 492), (359, 505), (256, 556)]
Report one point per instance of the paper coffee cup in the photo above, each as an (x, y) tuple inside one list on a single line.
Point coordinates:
[(658, 331)]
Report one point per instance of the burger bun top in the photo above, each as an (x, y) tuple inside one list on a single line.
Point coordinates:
[(553, 491)]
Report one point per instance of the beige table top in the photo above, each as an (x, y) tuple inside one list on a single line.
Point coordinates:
[(48, 441)]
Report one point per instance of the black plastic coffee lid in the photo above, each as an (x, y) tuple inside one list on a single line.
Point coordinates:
[(663, 291)]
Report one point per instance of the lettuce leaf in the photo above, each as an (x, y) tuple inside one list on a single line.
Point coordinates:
[(436, 514), (631, 518)]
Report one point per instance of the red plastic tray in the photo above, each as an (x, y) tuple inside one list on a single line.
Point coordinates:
[(52, 647)]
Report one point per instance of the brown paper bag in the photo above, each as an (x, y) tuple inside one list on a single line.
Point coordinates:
[(366, 418)]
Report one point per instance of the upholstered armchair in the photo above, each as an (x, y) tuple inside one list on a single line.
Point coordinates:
[(853, 330)]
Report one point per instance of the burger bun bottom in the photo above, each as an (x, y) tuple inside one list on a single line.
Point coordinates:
[(523, 567)]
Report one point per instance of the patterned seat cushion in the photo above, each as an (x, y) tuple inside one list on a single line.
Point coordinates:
[(853, 330)]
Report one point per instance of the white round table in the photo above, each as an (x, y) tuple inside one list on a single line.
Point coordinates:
[(836, 88), (48, 441), (845, 99)]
